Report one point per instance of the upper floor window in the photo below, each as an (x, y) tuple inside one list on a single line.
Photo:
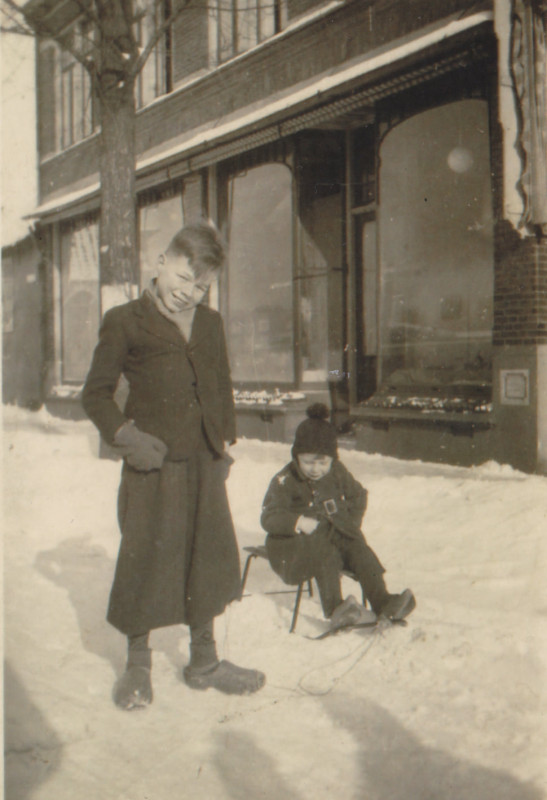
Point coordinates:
[(155, 77), (67, 111), (77, 119), (204, 34), (244, 23)]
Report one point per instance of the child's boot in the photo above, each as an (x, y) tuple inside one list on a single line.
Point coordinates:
[(134, 688), (349, 612), (384, 604), (398, 606)]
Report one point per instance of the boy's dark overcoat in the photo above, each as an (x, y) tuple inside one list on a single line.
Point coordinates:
[(175, 540), (138, 341)]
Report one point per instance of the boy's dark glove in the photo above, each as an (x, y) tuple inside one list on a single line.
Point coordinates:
[(142, 451)]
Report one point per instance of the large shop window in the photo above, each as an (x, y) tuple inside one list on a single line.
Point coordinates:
[(159, 221), (80, 296), (436, 253), (260, 304)]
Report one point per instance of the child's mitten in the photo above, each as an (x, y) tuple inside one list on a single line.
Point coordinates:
[(306, 524), (345, 523), (142, 451)]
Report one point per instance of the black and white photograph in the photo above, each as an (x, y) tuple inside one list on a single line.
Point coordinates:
[(274, 399)]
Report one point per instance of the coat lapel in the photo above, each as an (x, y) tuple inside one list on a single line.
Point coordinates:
[(200, 327), (155, 323)]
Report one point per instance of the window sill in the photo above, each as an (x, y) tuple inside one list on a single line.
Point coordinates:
[(45, 159), (66, 391), (269, 406), (456, 420), (267, 413)]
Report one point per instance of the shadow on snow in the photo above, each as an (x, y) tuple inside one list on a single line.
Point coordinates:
[(33, 750)]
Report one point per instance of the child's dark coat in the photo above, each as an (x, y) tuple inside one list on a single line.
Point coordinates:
[(178, 560), (295, 556)]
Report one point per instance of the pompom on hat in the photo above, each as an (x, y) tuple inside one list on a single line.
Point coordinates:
[(316, 435)]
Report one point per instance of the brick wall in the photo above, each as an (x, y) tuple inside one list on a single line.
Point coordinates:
[(520, 288)]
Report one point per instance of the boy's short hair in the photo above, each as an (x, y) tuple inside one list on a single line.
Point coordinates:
[(202, 245)]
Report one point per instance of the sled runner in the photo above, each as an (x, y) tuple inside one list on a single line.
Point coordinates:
[(260, 552), (382, 623)]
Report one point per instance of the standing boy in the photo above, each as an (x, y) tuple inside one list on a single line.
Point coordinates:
[(313, 512), (178, 560)]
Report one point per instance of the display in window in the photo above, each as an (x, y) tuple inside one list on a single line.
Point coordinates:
[(436, 255)]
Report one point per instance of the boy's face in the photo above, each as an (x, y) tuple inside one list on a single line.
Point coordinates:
[(177, 286), (314, 466)]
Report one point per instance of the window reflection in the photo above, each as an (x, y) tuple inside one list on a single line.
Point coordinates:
[(80, 296), (158, 223), (260, 275), (436, 250), (320, 252)]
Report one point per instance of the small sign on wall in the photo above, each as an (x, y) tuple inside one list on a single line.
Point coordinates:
[(515, 387)]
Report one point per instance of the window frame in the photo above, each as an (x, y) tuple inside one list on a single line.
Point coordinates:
[(277, 153), (160, 59), (75, 124), (226, 51)]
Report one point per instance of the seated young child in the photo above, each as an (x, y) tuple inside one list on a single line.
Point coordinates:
[(312, 512)]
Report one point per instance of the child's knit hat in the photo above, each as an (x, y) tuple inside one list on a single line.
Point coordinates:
[(316, 435)]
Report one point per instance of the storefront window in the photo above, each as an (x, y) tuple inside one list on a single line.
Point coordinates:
[(436, 252), (80, 296), (158, 222), (321, 254), (260, 284)]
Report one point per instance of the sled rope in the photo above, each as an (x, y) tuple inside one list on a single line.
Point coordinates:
[(362, 651)]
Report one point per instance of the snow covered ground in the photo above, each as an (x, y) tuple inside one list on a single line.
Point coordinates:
[(451, 707)]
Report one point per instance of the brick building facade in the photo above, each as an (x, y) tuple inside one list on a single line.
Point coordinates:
[(375, 171)]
